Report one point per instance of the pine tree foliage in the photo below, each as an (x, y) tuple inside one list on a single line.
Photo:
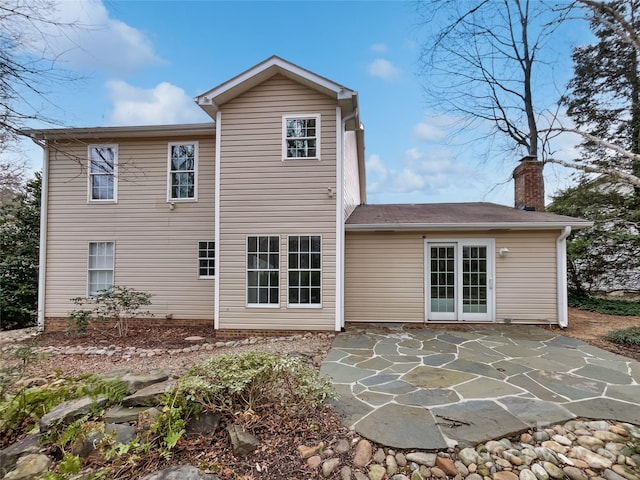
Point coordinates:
[(603, 100), (19, 247), (604, 94)]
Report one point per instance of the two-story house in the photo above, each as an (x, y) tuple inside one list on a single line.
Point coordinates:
[(258, 222)]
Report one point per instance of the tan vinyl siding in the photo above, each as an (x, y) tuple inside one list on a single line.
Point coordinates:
[(526, 279), (351, 192), (155, 248), (384, 275), (260, 194)]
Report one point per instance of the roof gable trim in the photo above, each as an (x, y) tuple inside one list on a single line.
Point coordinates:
[(274, 65)]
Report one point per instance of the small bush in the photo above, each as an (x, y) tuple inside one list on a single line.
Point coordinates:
[(236, 383), (625, 336), (605, 305), (117, 305)]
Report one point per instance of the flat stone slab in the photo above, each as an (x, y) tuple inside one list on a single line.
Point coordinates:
[(486, 388), (607, 375), (431, 377), (119, 414), (567, 385), (149, 396), (181, 472), (345, 373), (411, 387), (428, 397), (606, 408), (402, 427), (135, 381), (536, 412), (479, 419), (70, 410)]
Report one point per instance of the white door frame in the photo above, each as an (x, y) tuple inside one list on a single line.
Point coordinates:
[(458, 314)]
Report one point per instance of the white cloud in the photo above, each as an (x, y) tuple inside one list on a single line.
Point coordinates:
[(429, 132), (95, 40), (384, 69), (379, 48), (424, 173), (164, 104)]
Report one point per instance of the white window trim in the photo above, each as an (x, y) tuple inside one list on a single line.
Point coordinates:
[(318, 137), (113, 262), (115, 148), (306, 305), (460, 242), (196, 148), (205, 277), (246, 271)]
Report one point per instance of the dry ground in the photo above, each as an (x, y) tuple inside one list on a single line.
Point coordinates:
[(276, 458)]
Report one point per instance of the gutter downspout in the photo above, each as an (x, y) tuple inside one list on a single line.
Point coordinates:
[(340, 229), (561, 269), (216, 208), (42, 254)]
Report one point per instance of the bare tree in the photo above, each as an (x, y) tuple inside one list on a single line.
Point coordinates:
[(27, 66), (482, 61)]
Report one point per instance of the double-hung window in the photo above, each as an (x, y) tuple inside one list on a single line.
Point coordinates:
[(183, 172), (103, 164), (301, 137), (206, 259), (263, 270), (305, 270), (100, 267)]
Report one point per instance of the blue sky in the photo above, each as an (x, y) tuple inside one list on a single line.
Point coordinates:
[(142, 63)]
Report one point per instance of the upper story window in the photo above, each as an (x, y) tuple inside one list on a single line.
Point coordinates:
[(103, 165), (301, 136), (183, 171)]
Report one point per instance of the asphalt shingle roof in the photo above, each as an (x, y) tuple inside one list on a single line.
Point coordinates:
[(477, 214)]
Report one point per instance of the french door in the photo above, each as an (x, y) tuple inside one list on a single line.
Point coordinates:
[(459, 280)]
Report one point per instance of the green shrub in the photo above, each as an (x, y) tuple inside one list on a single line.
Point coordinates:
[(116, 305), (24, 408), (236, 383), (605, 305), (625, 336)]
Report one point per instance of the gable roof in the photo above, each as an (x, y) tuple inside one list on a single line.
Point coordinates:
[(211, 100), (455, 216)]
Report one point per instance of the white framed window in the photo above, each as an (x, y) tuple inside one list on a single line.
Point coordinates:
[(182, 172), (103, 170), (301, 137), (305, 271), (206, 259), (263, 271), (100, 267)]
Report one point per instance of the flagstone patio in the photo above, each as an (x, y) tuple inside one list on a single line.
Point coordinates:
[(408, 386)]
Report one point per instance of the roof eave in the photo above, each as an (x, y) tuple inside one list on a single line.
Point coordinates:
[(195, 129), (421, 227)]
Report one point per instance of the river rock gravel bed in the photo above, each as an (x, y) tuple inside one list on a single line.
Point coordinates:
[(576, 450)]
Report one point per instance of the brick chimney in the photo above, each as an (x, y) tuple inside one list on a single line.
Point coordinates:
[(529, 185)]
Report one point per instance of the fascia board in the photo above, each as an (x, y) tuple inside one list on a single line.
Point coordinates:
[(264, 70), (121, 132), (463, 226)]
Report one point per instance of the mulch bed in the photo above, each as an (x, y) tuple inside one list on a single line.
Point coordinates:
[(148, 338)]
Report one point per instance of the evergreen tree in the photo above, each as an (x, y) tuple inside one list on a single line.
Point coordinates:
[(603, 97), (603, 100), (19, 247)]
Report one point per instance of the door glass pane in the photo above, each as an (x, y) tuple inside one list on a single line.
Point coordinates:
[(474, 275), (442, 279)]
